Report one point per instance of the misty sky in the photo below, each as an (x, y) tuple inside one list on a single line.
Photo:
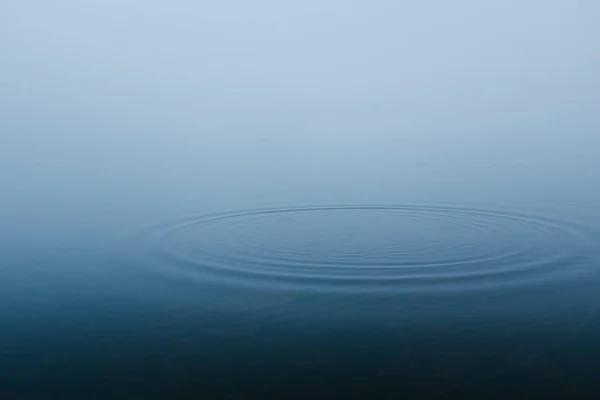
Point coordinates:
[(274, 99)]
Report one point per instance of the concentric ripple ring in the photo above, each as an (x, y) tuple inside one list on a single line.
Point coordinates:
[(418, 248)]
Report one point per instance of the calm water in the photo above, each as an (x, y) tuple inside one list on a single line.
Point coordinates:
[(299, 201)]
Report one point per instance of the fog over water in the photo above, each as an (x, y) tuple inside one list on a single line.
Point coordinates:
[(262, 200)]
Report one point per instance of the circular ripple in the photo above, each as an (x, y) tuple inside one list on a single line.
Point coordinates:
[(397, 247)]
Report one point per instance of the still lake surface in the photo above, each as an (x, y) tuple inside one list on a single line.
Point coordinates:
[(309, 201)]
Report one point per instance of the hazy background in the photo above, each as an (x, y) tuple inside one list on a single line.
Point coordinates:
[(168, 103)]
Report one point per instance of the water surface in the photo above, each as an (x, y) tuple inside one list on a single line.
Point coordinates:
[(317, 200)]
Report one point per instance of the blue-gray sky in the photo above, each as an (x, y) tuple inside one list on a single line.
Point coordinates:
[(298, 101)]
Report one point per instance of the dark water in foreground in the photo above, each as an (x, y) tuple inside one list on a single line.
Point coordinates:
[(328, 301)]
